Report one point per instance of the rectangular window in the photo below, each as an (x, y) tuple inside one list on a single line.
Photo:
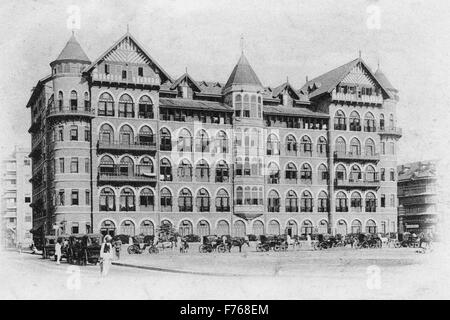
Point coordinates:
[(86, 165), (74, 133), (383, 174), (140, 71), (61, 134), (383, 201), (61, 165), (88, 197), (392, 200), (27, 199), (87, 134), (107, 70), (27, 162), (74, 197), (124, 74), (392, 175), (74, 165), (75, 227), (61, 197)]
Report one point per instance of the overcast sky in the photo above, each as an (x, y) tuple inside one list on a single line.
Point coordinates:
[(282, 39)]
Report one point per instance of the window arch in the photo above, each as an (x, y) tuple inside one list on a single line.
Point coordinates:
[(274, 173), (203, 200), (126, 166), (239, 229), (340, 121), (239, 195), (107, 200), (126, 135), (369, 122), (246, 108), (322, 174), (355, 121), (291, 204), (222, 172), (221, 142), (322, 202), (106, 133), (306, 202), (371, 202), (254, 196), (259, 107), (341, 202), (202, 171), (73, 100), (273, 145), (108, 227), (273, 227), (145, 108), (258, 228), (185, 141), (60, 100), (291, 145), (356, 226), (322, 146), (341, 227), (369, 147), (146, 200), (355, 202), (127, 200), (106, 105), (107, 166), (306, 173), (306, 145), (306, 228), (87, 102), (371, 227), (202, 141), (256, 166), (291, 173), (247, 169), (222, 201), (145, 167), (371, 175), (127, 228), (341, 145), (322, 228), (166, 200), (185, 228), (391, 121), (185, 200), (274, 201), (382, 122), (165, 170), (147, 228), (355, 173), (238, 105), (355, 146), (291, 228), (253, 104), (223, 228), (185, 170), (341, 172), (166, 140), (203, 228), (126, 106), (145, 136), (247, 195)]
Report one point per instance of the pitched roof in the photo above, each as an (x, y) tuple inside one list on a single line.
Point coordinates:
[(381, 77), (183, 77), (243, 74), (417, 170), (194, 104), (211, 87), (73, 51), (294, 111), (276, 92)]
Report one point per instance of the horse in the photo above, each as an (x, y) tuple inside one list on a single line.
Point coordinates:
[(237, 242), (384, 240), (427, 239), (294, 242)]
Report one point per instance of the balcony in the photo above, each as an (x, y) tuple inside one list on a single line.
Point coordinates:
[(420, 200), (223, 209), (396, 132), (353, 183), (121, 147), (36, 124), (118, 79), (117, 174), (355, 98), (248, 212), (72, 111), (352, 156)]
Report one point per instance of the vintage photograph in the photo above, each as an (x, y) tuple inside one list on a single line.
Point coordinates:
[(233, 150)]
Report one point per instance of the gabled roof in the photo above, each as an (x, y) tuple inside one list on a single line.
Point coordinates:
[(211, 88), (243, 74), (186, 77), (72, 52), (276, 92), (384, 80), (328, 81), (37, 89), (417, 170), (140, 47)]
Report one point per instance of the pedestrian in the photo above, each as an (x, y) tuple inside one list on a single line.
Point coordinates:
[(308, 239), (106, 255), (179, 244), (58, 250), (118, 247)]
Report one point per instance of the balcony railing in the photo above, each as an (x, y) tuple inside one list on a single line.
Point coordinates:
[(353, 97), (122, 146), (70, 111), (128, 80), (223, 209), (363, 183), (390, 131), (356, 156), (116, 174)]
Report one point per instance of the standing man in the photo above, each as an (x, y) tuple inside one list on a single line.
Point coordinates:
[(58, 250), (118, 247), (106, 255)]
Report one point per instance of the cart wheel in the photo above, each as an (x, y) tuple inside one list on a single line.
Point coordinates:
[(221, 248), (276, 248), (397, 245), (202, 249), (259, 247), (130, 250)]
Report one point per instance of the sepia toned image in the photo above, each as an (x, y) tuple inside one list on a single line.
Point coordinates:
[(204, 150)]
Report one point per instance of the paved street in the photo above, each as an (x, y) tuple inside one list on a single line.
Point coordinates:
[(340, 274)]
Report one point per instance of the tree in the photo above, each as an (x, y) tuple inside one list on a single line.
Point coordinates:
[(166, 232)]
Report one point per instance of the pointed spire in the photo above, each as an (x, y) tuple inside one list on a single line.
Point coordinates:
[(242, 44), (243, 74), (72, 51)]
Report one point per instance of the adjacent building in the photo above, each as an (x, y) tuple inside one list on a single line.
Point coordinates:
[(120, 147), (418, 197), (16, 218)]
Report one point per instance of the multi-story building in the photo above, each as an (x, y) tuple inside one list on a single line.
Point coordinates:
[(16, 219), (119, 146), (418, 198)]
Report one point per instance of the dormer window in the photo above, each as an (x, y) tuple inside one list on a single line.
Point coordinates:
[(140, 71), (124, 74), (184, 92), (107, 70)]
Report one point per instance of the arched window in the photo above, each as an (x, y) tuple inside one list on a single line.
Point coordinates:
[(106, 134), (221, 142), (274, 173), (371, 175), (253, 104), (87, 102), (238, 105), (238, 137), (126, 135), (306, 202), (258, 228), (145, 167), (323, 174), (341, 202), (239, 166), (273, 145), (202, 171), (203, 228), (202, 141), (145, 136), (223, 228), (246, 109), (356, 226), (291, 202), (355, 173), (371, 227), (106, 105), (322, 146), (166, 200), (341, 146), (165, 170), (127, 202), (355, 202), (341, 172), (107, 200), (247, 170), (73, 100), (355, 146), (222, 174), (185, 141), (273, 201), (306, 173), (239, 196), (185, 228), (108, 227), (247, 196), (203, 200), (259, 107), (146, 200), (145, 108), (185, 200), (255, 166), (369, 147), (239, 229), (339, 121), (291, 228), (322, 227), (127, 228), (273, 228), (147, 228), (291, 173), (306, 228), (126, 106), (291, 145), (126, 166), (369, 122), (306, 145), (371, 202), (185, 170), (382, 122), (341, 227), (106, 166), (391, 121), (254, 196), (223, 201), (322, 202), (166, 140), (355, 121), (60, 100), (260, 196)]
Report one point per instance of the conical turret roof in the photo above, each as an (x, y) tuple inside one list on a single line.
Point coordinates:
[(243, 74), (381, 77), (73, 51)]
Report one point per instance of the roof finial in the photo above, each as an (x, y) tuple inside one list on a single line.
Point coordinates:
[(242, 43), (186, 69), (359, 52)]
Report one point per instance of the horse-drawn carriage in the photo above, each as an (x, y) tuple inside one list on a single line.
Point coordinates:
[(84, 248), (140, 244), (368, 240), (49, 243), (328, 241), (212, 243), (274, 242)]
